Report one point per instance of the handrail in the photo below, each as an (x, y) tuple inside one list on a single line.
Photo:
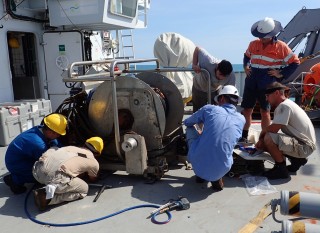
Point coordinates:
[(112, 62), (111, 76), (295, 82)]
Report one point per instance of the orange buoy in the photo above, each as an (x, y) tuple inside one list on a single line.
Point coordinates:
[(312, 78)]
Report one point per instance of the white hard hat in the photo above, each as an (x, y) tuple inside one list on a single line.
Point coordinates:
[(229, 90), (266, 28)]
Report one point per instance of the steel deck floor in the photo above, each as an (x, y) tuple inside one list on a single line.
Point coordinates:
[(225, 211)]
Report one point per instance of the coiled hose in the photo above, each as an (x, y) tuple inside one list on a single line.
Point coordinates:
[(153, 218)]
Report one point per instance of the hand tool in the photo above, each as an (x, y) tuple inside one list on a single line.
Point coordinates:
[(102, 188)]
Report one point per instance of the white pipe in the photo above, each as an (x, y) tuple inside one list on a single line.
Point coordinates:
[(300, 204), (299, 227)]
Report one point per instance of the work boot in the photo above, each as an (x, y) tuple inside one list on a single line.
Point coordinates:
[(296, 163), (16, 189), (279, 171), (40, 199), (217, 185)]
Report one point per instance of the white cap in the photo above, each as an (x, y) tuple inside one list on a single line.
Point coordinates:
[(229, 90)]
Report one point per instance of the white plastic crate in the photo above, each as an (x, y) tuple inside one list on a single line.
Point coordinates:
[(13, 120), (38, 110), (17, 117)]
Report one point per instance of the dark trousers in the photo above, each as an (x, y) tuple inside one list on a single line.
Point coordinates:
[(200, 98)]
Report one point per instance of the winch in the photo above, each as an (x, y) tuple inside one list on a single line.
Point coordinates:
[(139, 116)]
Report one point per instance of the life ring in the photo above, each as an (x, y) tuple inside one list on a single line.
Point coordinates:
[(312, 78)]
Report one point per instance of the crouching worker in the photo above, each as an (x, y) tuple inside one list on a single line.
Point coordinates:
[(297, 139), (59, 169), (210, 151), (27, 148)]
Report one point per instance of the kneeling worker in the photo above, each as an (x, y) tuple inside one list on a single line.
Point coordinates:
[(210, 152), (27, 148), (59, 168), (296, 141)]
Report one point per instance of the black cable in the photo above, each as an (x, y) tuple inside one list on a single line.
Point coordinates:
[(22, 17), (164, 148)]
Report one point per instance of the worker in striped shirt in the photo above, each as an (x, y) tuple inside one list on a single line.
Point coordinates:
[(265, 61)]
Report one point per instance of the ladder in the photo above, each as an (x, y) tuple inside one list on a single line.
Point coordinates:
[(127, 48), (143, 6)]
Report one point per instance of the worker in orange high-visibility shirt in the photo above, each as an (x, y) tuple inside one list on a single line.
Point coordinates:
[(265, 61)]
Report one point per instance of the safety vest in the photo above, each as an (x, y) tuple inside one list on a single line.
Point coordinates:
[(273, 56)]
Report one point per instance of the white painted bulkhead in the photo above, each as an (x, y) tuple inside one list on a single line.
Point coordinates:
[(12, 25), (16, 82)]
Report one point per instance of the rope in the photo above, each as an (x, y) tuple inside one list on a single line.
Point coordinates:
[(256, 221), (313, 96)]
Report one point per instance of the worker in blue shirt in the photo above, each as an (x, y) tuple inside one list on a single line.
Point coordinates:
[(212, 132), (27, 148)]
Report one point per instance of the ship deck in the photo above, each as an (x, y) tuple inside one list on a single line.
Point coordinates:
[(225, 211)]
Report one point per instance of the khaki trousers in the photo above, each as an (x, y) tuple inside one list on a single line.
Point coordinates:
[(75, 189), (68, 188), (291, 146)]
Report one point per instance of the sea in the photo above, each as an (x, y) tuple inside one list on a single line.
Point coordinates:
[(236, 67)]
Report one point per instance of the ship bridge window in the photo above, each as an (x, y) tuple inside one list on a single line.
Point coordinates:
[(127, 8)]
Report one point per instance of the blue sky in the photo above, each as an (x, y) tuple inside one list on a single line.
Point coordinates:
[(222, 27)]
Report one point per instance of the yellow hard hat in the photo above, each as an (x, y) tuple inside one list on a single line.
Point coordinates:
[(56, 122), (96, 143)]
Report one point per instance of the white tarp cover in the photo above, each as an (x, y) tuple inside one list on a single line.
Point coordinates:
[(174, 50)]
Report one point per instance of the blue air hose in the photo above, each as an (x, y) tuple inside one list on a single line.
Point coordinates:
[(97, 219)]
